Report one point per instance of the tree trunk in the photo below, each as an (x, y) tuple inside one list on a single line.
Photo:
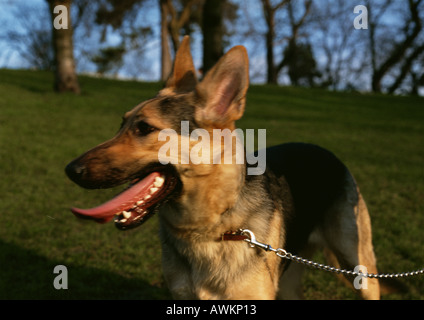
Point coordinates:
[(271, 74), (166, 60), (212, 26), (270, 21), (269, 12), (372, 47), (65, 75)]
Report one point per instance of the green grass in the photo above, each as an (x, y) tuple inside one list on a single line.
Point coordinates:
[(379, 137)]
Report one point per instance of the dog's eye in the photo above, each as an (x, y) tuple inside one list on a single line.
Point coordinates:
[(144, 128)]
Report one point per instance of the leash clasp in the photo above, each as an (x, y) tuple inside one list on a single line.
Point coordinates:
[(253, 242)]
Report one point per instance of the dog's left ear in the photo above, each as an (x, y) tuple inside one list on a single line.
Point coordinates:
[(183, 77), (222, 93)]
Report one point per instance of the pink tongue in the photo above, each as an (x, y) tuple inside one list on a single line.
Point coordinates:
[(123, 201)]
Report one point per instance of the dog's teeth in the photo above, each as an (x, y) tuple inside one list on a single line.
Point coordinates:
[(126, 214), (123, 220), (153, 190), (159, 182), (140, 202), (147, 197)]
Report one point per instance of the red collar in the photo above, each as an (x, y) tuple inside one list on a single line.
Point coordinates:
[(233, 236)]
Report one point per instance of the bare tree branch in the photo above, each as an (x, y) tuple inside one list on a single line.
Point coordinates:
[(400, 48)]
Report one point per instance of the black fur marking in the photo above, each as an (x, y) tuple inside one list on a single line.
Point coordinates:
[(316, 179), (177, 109)]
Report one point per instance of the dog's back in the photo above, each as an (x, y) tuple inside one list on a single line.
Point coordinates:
[(316, 179)]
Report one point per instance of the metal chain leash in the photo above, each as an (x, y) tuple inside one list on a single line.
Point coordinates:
[(289, 256)]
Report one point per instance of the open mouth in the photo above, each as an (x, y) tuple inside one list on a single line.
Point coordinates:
[(135, 204)]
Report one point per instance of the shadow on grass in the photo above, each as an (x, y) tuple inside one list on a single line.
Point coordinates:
[(26, 275)]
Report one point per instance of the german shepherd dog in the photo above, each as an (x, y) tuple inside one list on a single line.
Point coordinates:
[(305, 199)]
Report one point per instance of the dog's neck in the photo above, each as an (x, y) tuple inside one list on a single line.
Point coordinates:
[(207, 202), (214, 204)]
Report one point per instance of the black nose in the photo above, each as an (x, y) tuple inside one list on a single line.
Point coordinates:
[(75, 171)]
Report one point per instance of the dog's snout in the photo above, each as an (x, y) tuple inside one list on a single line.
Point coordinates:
[(75, 171), (89, 174)]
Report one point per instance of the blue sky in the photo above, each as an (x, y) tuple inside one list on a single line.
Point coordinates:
[(9, 58)]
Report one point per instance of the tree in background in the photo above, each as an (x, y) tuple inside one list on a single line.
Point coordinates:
[(166, 57), (176, 16), (270, 12), (125, 19), (294, 20), (213, 32), (299, 57), (109, 59), (31, 36), (301, 64), (65, 75), (180, 15), (403, 49), (341, 48), (217, 18), (417, 76)]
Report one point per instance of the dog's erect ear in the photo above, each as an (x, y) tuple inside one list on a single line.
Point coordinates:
[(183, 77), (222, 93)]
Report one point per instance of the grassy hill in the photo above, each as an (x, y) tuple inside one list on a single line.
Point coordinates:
[(379, 137)]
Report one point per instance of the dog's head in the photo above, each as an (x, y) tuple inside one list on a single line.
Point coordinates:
[(133, 155)]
